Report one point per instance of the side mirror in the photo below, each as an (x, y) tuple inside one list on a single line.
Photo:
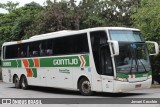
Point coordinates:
[(156, 47), (115, 47)]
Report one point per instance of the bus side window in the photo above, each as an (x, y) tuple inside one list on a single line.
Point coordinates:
[(22, 50), (34, 50), (11, 52), (49, 47), (49, 52)]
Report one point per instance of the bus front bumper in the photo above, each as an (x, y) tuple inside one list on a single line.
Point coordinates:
[(120, 86)]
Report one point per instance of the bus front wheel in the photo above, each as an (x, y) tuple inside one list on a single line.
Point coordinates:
[(85, 87), (24, 83), (16, 82)]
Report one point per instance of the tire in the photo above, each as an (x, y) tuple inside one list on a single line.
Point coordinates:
[(24, 83), (85, 87), (16, 82)]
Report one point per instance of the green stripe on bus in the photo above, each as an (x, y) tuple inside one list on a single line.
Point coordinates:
[(125, 75), (69, 61), (19, 63), (31, 63), (34, 70), (9, 64), (87, 60), (122, 75)]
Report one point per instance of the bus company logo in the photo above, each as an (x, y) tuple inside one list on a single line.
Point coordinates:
[(79, 61), (6, 101), (65, 61)]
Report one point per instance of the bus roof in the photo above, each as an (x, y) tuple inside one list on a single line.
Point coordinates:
[(65, 33)]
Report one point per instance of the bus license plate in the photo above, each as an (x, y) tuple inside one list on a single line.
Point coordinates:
[(138, 85)]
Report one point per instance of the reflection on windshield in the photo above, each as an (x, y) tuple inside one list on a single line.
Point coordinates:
[(126, 35), (133, 58)]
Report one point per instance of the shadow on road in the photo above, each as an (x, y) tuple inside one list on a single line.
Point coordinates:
[(69, 92)]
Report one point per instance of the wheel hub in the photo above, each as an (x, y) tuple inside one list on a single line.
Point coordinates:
[(86, 87)]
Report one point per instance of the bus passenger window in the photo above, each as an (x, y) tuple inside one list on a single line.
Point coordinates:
[(42, 52), (35, 53), (23, 54), (49, 52), (18, 53), (34, 49), (22, 50)]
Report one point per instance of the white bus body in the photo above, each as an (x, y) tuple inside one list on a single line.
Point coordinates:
[(89, 60)]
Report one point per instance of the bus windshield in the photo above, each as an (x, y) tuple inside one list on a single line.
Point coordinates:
[(133, 58)]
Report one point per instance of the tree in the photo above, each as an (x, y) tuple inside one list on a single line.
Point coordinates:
[(59, 17), (28, 15), (9, 6), (6, 24), (107, 12), (147, 18), (14, 25), (33, 19)]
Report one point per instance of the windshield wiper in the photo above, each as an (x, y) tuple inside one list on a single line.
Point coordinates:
[(134, 56), (136, 59), (141, 63)]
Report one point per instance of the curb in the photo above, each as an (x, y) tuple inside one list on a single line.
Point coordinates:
[(155, 86)]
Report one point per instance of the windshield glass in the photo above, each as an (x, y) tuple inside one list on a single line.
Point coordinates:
[(133, 58), (126, 35)]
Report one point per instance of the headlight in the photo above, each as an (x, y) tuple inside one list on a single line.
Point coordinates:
[(150, 77), (121, 79)]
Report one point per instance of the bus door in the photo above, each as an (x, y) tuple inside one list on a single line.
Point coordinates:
[(102, 60), (106, 69)]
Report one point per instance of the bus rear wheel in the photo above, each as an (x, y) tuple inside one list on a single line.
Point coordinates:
[(85, 87), (16, 82), (24, 83)]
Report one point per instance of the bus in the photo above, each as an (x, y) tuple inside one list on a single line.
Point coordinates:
[(101, 59)]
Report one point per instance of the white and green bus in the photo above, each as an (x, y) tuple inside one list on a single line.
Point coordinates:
[(102, 59)]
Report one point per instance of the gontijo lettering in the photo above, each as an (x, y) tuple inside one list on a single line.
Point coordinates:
[(65, 61)]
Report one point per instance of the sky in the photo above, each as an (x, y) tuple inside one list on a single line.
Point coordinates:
[(23, 2)]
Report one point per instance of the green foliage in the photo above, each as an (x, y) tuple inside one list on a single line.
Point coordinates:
[(9, 6), (147, 18), (107, 12), (14, 24), (33, 19), (26, 16)]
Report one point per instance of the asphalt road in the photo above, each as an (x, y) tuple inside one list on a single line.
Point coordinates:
[(9, 91)]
